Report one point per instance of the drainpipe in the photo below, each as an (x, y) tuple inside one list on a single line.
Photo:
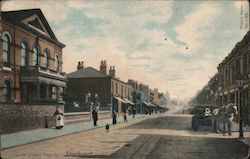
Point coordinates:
[(14, 63)]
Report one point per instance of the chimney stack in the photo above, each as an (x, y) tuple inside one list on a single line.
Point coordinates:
[(80, 65), (103, 67), (112, 71)]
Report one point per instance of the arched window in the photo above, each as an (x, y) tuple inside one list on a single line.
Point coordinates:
[(56, 62), (46, 58), (24, 54), (35, 56), (6, 49), (6, 91)]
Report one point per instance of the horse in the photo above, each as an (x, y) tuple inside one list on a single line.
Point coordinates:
[(224, 115)]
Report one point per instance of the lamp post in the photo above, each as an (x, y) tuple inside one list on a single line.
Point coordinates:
[(239, 83)]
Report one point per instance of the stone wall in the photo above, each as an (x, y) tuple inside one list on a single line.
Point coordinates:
[(19, 117)]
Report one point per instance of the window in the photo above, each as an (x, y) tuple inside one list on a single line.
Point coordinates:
[(56, 63), (46, 58), (6, 49), (248, 63), (35, 56), (116, 88), (6, 91), (245, 65), (24, 54)]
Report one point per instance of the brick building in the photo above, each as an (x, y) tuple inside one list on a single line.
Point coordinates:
[(236, 64), (31, 58), (110, 90)]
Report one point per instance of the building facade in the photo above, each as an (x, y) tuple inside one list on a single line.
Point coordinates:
[(31, 58), (110, 91), (234, 66)]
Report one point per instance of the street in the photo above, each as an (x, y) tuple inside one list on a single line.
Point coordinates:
[(159, 136)]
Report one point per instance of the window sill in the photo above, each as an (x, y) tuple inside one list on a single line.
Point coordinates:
[(6, 68)]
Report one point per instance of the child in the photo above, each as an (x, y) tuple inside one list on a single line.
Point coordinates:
[(125, 117)]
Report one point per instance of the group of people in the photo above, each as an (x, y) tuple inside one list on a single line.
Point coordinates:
[(114, 116), (224, 116)]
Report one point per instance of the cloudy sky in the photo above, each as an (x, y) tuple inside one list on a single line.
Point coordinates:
[(174, 46)]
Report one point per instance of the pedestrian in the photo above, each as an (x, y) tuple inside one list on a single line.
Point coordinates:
[(95, 116), (58, 116), (125, 117), (133, 112), (114, 117), (229, 112)]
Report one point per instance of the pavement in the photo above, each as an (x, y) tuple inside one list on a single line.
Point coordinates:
[(31, 136)]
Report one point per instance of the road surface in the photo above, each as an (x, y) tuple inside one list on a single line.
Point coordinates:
[(165, 136)]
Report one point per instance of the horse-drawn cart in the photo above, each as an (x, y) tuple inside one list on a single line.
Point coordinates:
[(211, 117), (202, 117), (199, 120)]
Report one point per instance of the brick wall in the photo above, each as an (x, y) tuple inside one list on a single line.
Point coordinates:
[(18, 117)]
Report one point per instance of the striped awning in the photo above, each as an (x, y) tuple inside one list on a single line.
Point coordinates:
[(121, 100), (128, 101)]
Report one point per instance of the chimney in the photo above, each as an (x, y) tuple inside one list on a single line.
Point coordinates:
[(103, 67), (112, 71), (80, 65)]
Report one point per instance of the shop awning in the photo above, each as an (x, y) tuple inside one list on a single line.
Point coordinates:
[(121, 100), (146, 103), (151, 105), (129, 102)]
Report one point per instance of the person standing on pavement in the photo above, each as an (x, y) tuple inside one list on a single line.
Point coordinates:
[(125, 117), (114, 117), (58, 115), (133, 112), (95, 116)]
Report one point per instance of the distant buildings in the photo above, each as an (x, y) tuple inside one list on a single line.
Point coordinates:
[(110, 90), (112, 93)]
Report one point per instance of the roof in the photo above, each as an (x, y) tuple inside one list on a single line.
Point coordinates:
[(19, 16), (88, 72)]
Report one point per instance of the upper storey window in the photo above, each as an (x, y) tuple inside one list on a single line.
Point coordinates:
[(24, 54), (46, 58), (6, 49), (35, 56), (56, 63)]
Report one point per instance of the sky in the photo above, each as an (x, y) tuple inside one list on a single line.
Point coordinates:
[(174, 46)]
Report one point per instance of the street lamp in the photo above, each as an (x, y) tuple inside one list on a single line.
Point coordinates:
[(239, 83)]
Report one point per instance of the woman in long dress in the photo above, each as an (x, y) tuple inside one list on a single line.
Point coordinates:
[(58, 115)]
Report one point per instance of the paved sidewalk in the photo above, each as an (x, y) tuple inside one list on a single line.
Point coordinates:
[(26, 137)]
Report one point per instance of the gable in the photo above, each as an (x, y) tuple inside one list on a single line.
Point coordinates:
[(35, 22)]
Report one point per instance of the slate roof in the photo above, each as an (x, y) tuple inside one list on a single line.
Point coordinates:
[(15, 17), (88, 72)]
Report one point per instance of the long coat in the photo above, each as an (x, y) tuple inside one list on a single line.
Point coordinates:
[(59, 121), (94, 115)]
